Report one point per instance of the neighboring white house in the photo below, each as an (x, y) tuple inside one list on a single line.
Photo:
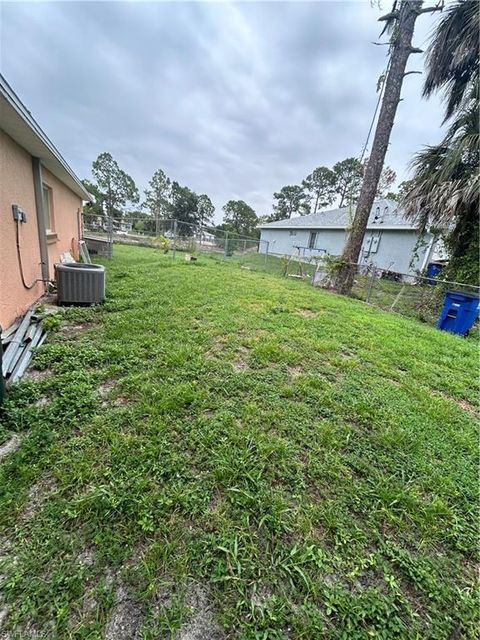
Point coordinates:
[(391, 242)]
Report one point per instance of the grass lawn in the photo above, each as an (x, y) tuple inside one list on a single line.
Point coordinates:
[(222, 453)]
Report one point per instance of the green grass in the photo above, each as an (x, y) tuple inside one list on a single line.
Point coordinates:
[(411, 299), (305, 462)]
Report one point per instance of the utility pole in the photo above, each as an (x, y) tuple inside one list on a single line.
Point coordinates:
[(402, 18)]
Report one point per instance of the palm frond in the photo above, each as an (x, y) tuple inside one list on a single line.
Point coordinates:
[(454, 54), (446, 177)]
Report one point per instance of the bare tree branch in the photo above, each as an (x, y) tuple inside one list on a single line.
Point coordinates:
[(389, 16), (431, 9)]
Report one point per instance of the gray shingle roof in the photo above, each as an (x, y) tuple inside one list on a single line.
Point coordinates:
[(384, 213)]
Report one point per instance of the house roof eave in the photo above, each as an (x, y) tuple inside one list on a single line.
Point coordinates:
[(19, 124), (338, 228)]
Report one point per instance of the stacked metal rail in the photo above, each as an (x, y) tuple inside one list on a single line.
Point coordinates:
[(18, 342)]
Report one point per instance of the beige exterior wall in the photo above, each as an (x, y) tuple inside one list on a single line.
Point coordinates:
[(66, 207), (16, 187)]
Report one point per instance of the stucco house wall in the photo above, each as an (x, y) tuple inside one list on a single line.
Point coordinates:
[(396, 250), (391, 240), (16, 187), (282, 241), (66, 214), (29, 163), (285, 241)]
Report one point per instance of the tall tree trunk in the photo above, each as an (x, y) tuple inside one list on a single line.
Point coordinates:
[(401, 49), (316, 203)]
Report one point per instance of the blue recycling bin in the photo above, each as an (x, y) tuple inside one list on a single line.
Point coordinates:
[(460, 310), (433, 270)]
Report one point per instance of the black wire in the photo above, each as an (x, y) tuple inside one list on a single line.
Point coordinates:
[(27, 286), (380, 95)]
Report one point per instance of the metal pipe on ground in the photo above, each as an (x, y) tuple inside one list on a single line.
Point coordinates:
[(10, 331), (14, 345), (26, 356)]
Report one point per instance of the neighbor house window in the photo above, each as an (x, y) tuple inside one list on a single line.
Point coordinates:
[(313, 240), (48, 208), (293, 233)]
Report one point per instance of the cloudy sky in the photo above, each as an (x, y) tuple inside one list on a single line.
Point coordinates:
[(231, 99)]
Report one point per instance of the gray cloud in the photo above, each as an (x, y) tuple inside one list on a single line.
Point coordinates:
[(234, 100)]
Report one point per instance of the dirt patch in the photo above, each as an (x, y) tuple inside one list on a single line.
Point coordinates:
[(42, 402), (240, 365), (37, 375), (70, 329), (9, 447), (87, 604), (219, 344), (127, 617), (87, 557), (261, 597), (216, 501), (87, 608), (295, 370), (3, 615), (307, 313), (465, 405), (37, 496), (105, 388), (460, 402), (202, 625), (240, 362), (162, 599), (121, 401), (396, 383)]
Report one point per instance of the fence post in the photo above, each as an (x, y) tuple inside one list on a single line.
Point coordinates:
[(174, 238), (371, 282), (266, 253), (398, 296), (110, 235), (225, 253)]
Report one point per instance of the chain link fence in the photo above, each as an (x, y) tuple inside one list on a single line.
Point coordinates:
[(412, 295), (170, 236)]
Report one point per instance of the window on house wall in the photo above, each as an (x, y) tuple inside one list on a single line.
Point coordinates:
[(48, 208), (293, 234), (312, 240)]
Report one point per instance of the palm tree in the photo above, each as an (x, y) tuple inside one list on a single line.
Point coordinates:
[(445, 189), (453, 56), (446, 185)]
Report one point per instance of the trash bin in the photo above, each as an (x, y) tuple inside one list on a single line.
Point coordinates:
[(460, 310), (433, 270)]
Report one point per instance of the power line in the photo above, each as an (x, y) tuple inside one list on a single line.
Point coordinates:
[(380, 96)]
